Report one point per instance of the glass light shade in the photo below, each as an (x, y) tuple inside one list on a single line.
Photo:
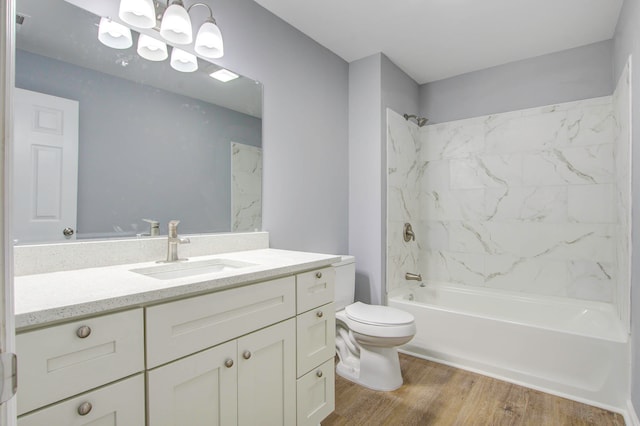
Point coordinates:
[(183, 61), (209, 41), (176, 25), (139, 13), (152, 49), (114, 35)]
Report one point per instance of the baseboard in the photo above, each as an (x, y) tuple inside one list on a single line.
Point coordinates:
[(631, 417)]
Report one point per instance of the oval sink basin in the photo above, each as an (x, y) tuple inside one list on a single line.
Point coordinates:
[(169, 271)]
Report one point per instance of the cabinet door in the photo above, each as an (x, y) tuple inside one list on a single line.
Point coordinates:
[(198, 390), (316, 341), (266, 376), (119, 404)]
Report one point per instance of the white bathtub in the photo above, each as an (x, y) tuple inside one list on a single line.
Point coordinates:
[(575, 349)]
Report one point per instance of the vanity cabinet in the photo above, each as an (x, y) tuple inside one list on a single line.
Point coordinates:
[(257, 354)]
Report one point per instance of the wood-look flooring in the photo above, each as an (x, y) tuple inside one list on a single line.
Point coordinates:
[(436, 394)]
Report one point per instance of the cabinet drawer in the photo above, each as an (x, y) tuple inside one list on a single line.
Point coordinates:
[(316, 341), (55, 363), (315, 288), (316, 394), (119, 404), (186, 326)]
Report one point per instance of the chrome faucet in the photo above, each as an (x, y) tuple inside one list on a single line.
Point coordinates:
[(173, 240), (410, 276)]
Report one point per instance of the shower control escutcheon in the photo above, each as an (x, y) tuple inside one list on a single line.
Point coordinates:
[(408, 233)]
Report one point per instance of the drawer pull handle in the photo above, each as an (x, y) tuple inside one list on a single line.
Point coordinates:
[(319, 373), (318, 274), (84, 408), (228, 363), (246, 355), (83, 332), (319, 314)]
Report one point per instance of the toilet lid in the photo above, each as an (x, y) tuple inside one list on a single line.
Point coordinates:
[(377, 315)]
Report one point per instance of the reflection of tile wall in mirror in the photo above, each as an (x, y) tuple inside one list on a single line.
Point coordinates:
[(246, 188), (166, 153)]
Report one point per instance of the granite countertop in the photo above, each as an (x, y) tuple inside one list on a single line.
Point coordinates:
[(46, 298)]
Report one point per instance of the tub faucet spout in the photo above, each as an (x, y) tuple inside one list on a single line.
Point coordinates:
[(412, 277)]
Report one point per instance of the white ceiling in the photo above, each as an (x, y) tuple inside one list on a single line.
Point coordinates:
[(435, 39)]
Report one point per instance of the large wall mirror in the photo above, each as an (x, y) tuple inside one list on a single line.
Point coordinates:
[(152, 142)]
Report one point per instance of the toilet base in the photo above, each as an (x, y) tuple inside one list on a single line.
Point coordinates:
[(377, 368)]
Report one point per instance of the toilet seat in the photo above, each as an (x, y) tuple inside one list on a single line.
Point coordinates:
[(368, 320), (383, 316)]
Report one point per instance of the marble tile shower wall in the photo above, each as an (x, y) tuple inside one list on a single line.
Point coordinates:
[(622, 158), (403, 205), (524, 200)]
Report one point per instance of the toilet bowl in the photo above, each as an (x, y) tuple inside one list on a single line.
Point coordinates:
[(367, 335)]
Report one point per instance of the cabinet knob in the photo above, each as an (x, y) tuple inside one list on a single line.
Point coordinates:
[(84, 408), (68, 232), (246, 355), (318, 274), (228, 363), (319, 373), (83, 331), (319, 314)]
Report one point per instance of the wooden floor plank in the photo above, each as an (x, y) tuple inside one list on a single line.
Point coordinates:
[(439, 395)]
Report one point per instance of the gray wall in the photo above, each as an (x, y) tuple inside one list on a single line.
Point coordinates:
[(305, 126), (579, 73), (144, 152), (627, 42), (375, 83), (365, 178)]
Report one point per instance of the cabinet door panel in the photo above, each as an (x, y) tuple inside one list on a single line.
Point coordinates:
[(119, 404), (197, 390), (316, 331), (316, 394), (266, 376), (56, 363), (186, 326)]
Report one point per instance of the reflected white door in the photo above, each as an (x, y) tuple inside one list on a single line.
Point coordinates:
[(45, 183)]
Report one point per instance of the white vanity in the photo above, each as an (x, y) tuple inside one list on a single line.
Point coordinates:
[(247, 346)]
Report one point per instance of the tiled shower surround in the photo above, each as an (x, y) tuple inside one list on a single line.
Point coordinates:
[(534, 200)]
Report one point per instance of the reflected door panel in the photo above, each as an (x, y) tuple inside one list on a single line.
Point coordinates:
[(45, 167)]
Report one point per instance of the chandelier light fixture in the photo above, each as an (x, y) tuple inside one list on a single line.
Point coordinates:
[(173, 25)]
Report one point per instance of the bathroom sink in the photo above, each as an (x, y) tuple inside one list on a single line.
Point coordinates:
[(169, 271)]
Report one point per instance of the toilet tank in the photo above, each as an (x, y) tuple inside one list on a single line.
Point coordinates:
[(345, 282)]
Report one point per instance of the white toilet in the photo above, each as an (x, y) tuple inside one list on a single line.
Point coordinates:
[(367, 335)]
